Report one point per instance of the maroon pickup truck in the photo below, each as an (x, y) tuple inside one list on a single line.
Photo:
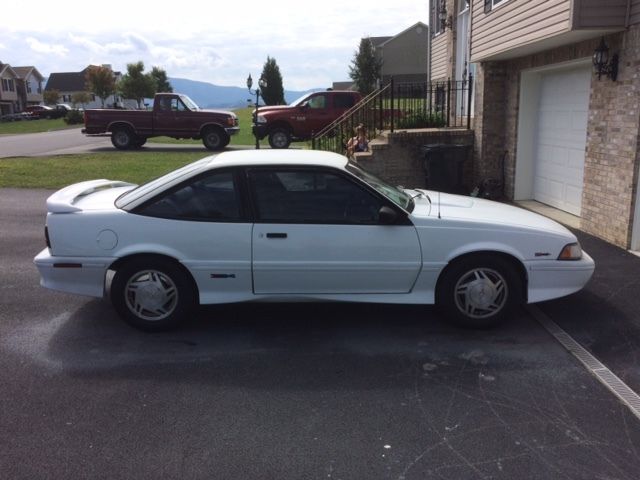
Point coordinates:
[(173, 115), (303, 118)]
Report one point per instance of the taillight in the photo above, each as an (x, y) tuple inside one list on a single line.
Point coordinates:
[(46, 236)]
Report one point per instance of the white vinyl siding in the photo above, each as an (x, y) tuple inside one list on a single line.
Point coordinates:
[(517, 23), (439, 57), (635, 12)]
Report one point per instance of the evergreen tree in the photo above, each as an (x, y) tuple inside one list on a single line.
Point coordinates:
[(136, 84), (162, 82), (101, 82), (365, 67), (273, 93)]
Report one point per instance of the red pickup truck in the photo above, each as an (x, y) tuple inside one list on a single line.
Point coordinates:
[(173, 115), (304, 117)]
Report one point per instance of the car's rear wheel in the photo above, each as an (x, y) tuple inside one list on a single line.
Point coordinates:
[(122, 138), (279, 138), (479, 291), (214, 138), (152, 294)]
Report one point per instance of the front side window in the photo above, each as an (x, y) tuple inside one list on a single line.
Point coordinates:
[(311, 196), (343, 100), (212, 197), (319, 101)]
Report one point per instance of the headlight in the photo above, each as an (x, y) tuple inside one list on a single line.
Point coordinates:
[(261, 119), (573, 251)]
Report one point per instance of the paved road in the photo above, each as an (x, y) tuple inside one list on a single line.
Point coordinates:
[(50, 143), (294, 391)]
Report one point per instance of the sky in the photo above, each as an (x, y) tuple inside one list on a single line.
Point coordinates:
[(219, 42)]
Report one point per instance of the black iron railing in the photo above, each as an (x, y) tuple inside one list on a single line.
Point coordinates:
[(401, 106)]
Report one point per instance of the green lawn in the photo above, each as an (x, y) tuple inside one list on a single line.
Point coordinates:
[(59, 171), (33, 126)]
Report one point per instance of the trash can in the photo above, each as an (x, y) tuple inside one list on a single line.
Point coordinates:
[(443, 166)]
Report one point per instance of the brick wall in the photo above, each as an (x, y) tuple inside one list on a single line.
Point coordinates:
[(400, 161), (611, 157)]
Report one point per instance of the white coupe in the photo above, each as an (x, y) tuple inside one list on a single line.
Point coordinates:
[(298, 226)]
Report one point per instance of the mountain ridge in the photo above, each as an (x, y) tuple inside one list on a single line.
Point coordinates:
[(208, 95)]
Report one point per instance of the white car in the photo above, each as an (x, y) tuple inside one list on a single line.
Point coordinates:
[(277, 225)]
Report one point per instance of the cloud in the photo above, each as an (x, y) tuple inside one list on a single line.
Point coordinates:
[(40, 47)]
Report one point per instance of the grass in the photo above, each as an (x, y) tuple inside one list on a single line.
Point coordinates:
[(33, 126), (59, 171)]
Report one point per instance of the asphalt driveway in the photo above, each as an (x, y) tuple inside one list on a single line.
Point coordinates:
[(308, 390)]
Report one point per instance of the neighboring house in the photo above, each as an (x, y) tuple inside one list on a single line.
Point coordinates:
[(556, 131), (69, 83), (29, 86), (8, 90), (403, 55)]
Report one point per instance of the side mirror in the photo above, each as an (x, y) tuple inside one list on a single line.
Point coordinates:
[(387, 216), (304, 106)]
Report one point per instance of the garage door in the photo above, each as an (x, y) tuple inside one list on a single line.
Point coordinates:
[(561, 138)]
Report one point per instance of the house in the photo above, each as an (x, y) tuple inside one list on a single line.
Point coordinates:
[(69, 83), (559, 130), (8, 90), (402, 55), (29, 86)]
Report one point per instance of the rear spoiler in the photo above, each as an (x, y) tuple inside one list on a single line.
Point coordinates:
[(63, 200)]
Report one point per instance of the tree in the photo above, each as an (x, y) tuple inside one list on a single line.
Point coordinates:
[(365, 67), (81, 98), (51, 97), (273, 93), (136, 84), (101, 82), (161, 80)]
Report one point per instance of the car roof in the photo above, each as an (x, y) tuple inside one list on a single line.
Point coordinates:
[(277, 157)]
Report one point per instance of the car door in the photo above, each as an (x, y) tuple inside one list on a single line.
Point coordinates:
[(204, 223), (317, 232), (314, 114), (172, 117)]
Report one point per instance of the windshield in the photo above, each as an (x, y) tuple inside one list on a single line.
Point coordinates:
[(159, 182), (394, 194), (191, 105), (301, 100)]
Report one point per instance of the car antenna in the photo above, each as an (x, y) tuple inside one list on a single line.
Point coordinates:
[(439, 217)]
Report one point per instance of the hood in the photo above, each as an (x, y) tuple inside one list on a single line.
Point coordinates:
[(478, 210), (272, 108), (219, 112)]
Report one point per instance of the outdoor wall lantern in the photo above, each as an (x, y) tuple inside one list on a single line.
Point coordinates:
[(602, 64), (262, 83), (445, 21)]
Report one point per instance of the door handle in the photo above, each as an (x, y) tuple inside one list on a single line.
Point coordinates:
[(276, 235)]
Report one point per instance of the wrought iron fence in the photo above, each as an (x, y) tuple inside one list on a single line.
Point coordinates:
[(401, 106)]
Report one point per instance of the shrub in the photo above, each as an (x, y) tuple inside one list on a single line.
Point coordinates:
[(74, 117), (422, 120)]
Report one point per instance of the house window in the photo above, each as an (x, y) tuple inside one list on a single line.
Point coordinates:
[(7, 85), (490, 4), (28, 87), (39, 87), (438, 6), (93, 98)]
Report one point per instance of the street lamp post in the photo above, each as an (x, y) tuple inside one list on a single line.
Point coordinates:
[(262, 83)]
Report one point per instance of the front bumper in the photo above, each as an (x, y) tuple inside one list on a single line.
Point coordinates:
[(259, 131), (79, 275), (232, 130), (555, 278)]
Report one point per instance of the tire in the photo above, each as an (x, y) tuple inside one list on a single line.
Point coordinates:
[(152, 294), (279, 138), (479, 291), (139, 142), (122, 138), (214, 138)]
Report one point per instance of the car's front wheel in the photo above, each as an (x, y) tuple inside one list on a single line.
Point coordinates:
[(479, 291), (279, 138), (152, 294)]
